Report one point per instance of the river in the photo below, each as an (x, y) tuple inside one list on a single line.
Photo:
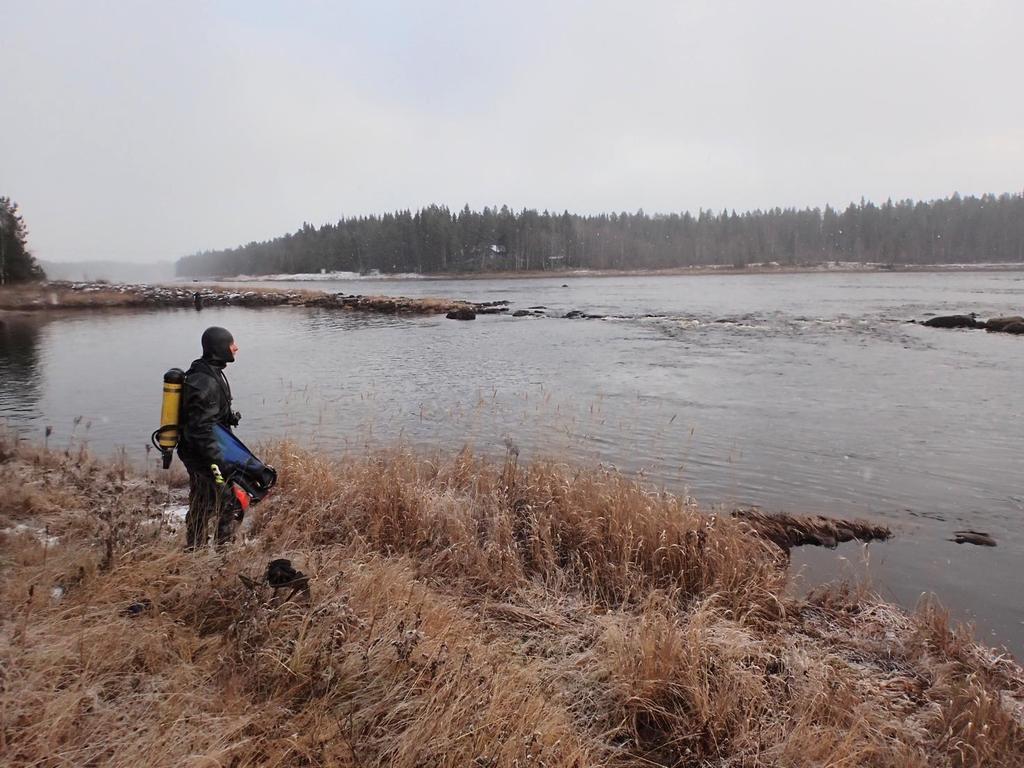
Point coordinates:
[(807, 393)]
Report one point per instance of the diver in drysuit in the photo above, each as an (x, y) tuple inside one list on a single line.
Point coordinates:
[(206, 401)]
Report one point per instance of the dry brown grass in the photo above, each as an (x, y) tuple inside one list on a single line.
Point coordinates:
[(44, 296), (462, 613)]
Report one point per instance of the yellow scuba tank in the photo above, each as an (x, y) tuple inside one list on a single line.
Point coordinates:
[(166, 437)]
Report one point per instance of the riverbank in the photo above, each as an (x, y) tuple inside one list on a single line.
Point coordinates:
[(74, 296), (459, 612), (767, 268)]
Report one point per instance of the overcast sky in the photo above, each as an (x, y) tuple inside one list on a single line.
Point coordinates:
[(140, 131)]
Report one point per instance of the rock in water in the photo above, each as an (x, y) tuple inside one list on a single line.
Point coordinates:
[(954, 321), (999, 324), (973, 537), (461, 313)]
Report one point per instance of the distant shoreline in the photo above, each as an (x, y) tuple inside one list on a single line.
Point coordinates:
[(753, 269), (62, 295)]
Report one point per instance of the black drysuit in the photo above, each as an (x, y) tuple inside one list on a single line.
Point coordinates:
[(206, 401)]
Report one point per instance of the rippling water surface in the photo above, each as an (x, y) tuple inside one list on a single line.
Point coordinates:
[(805, 393)]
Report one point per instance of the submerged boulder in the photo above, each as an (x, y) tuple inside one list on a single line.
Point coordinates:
[(1003, 324), (973, 537), (955, 321)]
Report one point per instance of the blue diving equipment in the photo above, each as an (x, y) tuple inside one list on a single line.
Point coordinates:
[(242, 467)]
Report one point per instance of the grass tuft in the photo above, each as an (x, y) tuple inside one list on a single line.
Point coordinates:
[(461, 613)]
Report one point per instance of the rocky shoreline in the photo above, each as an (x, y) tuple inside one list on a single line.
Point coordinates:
[(66, 295)]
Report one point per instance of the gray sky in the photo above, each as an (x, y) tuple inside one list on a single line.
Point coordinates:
[(140, 131)]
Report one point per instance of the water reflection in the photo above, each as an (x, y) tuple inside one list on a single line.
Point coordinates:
[(19, 366), (333, 320)]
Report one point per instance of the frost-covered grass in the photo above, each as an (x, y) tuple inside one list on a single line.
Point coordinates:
[(461, 613)]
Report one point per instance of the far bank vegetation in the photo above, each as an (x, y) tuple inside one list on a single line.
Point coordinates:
[(438, 240)]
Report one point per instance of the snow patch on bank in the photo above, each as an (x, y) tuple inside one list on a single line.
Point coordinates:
[(32, 530), (173, 516), (329, 276)]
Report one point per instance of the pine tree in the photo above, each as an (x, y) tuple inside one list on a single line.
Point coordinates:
[(16, 263)]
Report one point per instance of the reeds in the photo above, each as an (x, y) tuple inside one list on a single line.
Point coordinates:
[(462, 613)]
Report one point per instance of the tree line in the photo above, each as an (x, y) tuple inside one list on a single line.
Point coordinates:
[(16, 263), (436, 239)]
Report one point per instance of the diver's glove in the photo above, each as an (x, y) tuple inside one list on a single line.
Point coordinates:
[(218, 478), (234, 418)]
